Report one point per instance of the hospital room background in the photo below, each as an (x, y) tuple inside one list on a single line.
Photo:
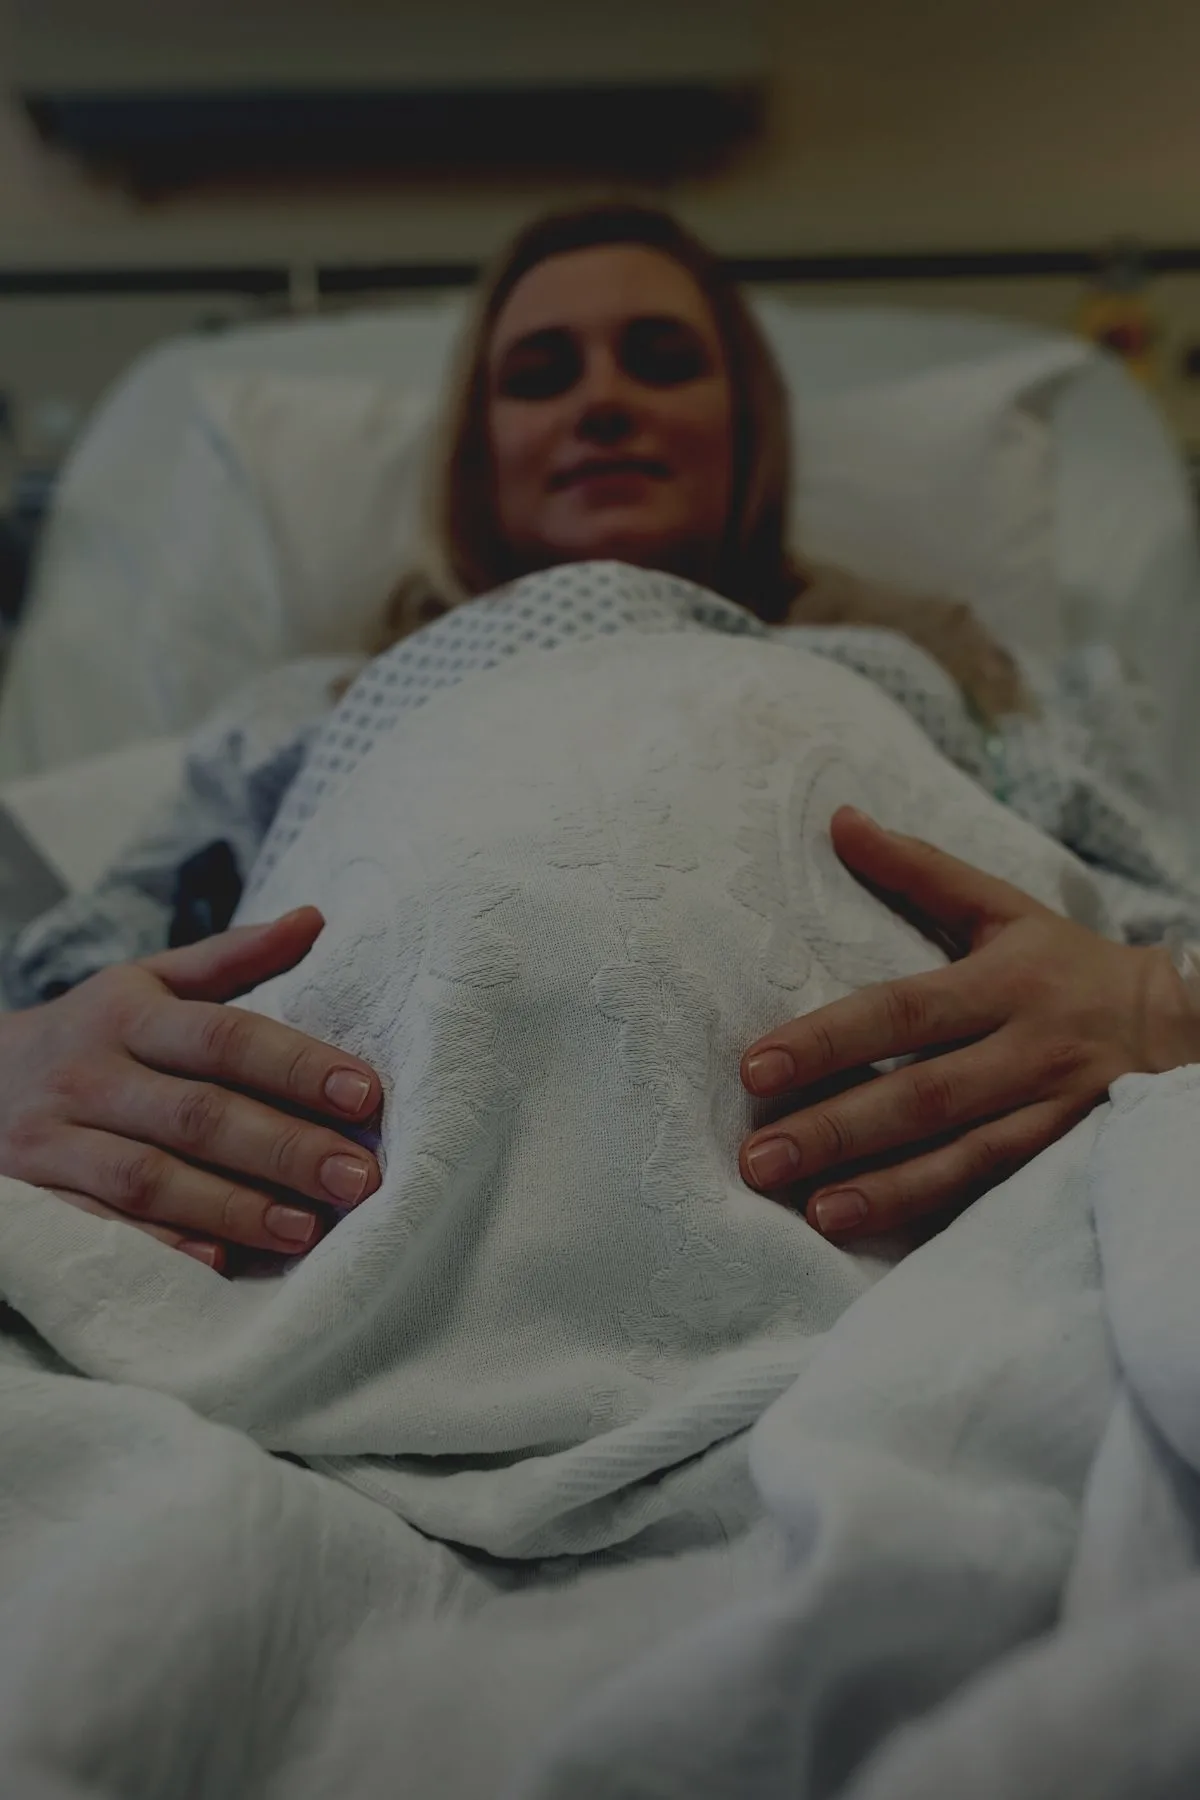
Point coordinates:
[(204, 208), (542, 1442)]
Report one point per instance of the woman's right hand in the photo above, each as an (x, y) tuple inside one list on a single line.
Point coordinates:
[(125, 1096)]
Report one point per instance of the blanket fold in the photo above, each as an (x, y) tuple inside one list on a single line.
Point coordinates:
[(559, 904)]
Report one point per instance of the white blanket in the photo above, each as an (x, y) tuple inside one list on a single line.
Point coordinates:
[(560, 903)]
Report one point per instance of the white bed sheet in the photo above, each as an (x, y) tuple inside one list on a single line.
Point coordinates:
[(80, 816)]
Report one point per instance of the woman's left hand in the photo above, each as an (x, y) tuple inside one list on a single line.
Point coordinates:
[(1017, 1040)]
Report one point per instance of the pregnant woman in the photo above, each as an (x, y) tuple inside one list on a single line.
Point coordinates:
[(614, 400), (556, 992)]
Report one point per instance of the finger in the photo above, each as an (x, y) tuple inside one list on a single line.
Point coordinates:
[(244, 1049), (892, 1018), (151, 1187), (909, 1106), (211, 1255), (227, 1130), (949, 1176), (909, 874), (234, 961)]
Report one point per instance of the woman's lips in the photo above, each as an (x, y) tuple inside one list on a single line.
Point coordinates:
[(609, 469)]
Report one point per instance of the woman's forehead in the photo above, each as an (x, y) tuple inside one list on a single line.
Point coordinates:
[(597, 289)]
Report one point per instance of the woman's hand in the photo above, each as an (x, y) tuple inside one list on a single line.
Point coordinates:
[(1016, 1041), (124, 1096)]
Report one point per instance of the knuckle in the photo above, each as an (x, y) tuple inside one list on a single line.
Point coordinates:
[(138, 1180), (1063, 1061), (225, 1037), (824, 1050), (907, 1010), (986, 1164), (24, 1144), (230, 1213), (302, 1078), (833, 1137), (286, 1153), (934, 1097), (64, 1083), (199, 1116)]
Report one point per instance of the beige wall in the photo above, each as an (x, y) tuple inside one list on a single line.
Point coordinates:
[(894, 124)]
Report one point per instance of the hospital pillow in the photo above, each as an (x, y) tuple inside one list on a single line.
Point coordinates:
[(88, 671), (80, 678), (295, 508), (292, 509), (945, 483)]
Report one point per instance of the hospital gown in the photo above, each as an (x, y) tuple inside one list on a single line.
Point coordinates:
[(1078, 768)]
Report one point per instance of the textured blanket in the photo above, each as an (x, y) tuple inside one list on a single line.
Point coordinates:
[(616, 1478)]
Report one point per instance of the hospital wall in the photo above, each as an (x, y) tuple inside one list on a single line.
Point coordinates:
[(932, 125)]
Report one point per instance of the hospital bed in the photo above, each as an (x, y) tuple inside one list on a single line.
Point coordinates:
[(242, 500)]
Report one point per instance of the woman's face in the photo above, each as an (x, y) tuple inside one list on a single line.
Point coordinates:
[(609, 414)]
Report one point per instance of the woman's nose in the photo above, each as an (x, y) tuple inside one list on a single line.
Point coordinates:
[(606, 413), (605, 421)]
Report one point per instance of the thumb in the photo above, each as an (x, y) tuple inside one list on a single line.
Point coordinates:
[(232, 962), (926, 884)]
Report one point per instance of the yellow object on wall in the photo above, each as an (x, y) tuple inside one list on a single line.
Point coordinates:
[(1117, 313)]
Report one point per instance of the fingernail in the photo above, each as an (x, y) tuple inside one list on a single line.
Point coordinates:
[(839, 1211), (283, 919), (290, 1225), (347, 1090), (208, 1254), (866, 819), (346, 1178), (769, 1070), (773, 1161)]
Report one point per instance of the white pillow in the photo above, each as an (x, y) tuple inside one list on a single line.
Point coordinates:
[(945, 482), (292, 511), (294, 507), (81, 676), (335, 467)]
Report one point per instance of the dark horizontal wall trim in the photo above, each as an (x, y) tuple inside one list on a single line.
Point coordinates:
[(931, 265), (274, 280), (362, 278), (51, 283), (966, 265)]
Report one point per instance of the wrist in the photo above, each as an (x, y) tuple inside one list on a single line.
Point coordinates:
[(1172, 1006)]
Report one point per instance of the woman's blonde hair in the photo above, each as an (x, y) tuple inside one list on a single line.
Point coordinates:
[(463, 553)]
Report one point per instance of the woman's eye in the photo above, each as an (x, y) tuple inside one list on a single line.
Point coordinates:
[(663, 354), (539, 373)]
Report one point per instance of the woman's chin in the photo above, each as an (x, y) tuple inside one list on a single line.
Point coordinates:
[(644, 549)]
